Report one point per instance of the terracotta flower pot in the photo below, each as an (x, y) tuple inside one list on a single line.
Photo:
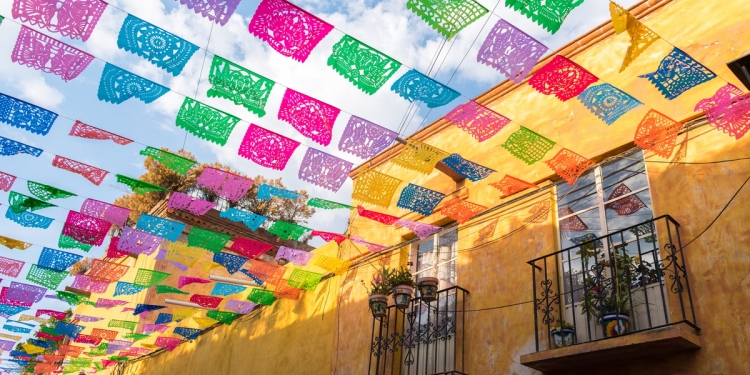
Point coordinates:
[(402, 295), (428, 287), (379, 305)]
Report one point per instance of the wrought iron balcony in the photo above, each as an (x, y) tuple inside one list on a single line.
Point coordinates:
[(424, 339), (625, 282)]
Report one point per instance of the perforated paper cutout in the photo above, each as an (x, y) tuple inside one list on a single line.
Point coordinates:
[(324, 170), (156, 45), (9, 147), (267, 148), (528, 145), (728, 110), (114, 214), (172, 161), (479, 121), (374, 187), (167, 229), (419, 156), (185, 280), (82, 130), (86, 229), (677, 73), (365, 67), (422, 230), (569, 165), (287, 231), (461, 210), (311, 117), (181, 252), (419, 199), (6, 181), (466, 168), (149, 278), (218, 11), (365, 139), (562, 77), (196, 206), (266, 191), (231, 262), (226, 317), (91, 173), (74, 19), (224, 290), (625, 206), (250, 219), (22, 115), (447, 17), (538, 213), (28, 219), (47, 278), (57, 260), (572, 223), (607, 102), (168, 343), (206, 122), (548, 14), (328, 236), (117, 85), (511, 51), (240, 307), (40, 52), (46, 192), (14, 244), (250, 248), (134, 241), (241, 86), (208, 239), (225, 184), (206, 301), (266, 272), (288, 29), (415, 86), (326, 204), (657, 133), (138, 186), (298, 257)]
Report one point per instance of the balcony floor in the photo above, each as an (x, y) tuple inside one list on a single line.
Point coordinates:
[(674, 338)]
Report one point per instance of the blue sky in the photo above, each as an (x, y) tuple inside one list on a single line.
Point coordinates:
[(386, 25)]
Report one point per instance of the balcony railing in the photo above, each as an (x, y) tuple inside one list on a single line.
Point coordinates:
[(628, 281), (423, 339)]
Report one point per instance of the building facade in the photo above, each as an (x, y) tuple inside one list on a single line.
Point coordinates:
[(665, 235)]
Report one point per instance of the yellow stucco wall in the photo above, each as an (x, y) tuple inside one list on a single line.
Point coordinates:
[(291, 339)]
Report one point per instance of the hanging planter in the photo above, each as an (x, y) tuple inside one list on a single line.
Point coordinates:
[(428, 288), (402, 295), (403, 286), (379, 305), (379, 290)]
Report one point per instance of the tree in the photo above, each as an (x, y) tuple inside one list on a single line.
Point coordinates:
[(294, 211)]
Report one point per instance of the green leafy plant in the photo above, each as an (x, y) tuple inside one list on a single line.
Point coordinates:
[(379, 285), (400, 276), (564, 325), (609, 285)]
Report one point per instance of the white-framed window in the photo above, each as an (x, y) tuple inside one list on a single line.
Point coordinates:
[(436, 256), (607, 200)]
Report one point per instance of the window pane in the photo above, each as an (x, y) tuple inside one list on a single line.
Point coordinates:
[(425, 254), (447, 275), (580, 196), (627, 172), (629, 211), (447, 246), (580, 228)]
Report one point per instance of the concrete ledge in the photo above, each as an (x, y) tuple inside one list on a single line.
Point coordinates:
[(674, 338)]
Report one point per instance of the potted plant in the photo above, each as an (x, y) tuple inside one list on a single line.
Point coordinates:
[(402, 282), (609, 288), (428, 288), (379, 290), (563, 335)]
